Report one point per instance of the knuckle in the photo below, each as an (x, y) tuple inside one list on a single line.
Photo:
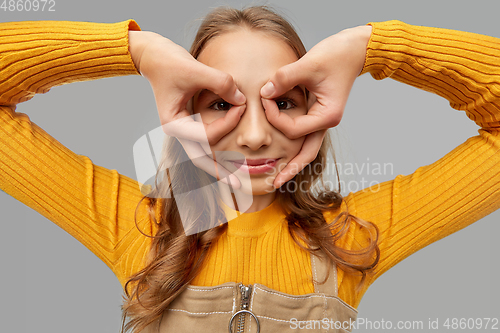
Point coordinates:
[(212, 140), (332, 115), (335, 123), (335, 119), (294, 135)]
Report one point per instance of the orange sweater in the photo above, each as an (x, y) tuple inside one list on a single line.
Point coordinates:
[(97, 205)]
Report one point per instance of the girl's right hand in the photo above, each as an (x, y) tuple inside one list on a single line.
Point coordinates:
[(175, 76)]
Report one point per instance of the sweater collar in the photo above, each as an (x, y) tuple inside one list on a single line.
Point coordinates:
[(253, 224)]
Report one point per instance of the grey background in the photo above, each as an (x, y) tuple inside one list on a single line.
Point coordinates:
[(50, 282)]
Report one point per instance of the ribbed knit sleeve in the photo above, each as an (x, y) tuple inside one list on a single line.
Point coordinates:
[(37, 55), (93, 204), (416, 210)]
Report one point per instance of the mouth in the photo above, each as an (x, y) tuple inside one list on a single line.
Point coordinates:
[(254, 166)]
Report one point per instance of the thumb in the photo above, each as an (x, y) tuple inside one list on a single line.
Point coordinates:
[(220, 83), (285, 79)]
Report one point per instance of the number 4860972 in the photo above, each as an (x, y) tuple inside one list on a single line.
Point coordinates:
[(28, 5)]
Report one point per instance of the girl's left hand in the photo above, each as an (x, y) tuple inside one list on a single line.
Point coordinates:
[(328, 71)]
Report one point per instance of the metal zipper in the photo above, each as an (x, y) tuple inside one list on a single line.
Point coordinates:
[(244, 309), (245, 297)]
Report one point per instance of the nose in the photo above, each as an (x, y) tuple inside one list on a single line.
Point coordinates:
[(254, 130)]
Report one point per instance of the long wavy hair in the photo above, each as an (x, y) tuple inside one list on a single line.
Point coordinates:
[(178, 250)]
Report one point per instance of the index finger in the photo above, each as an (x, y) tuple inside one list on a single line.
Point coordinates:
[(307, 154), (193, 128), (296, 127)]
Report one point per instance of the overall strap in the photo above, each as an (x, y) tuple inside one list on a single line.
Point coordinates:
[(319, 269)]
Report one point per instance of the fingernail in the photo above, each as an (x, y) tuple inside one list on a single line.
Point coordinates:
[(264, 103), (239, 97), (241, 111), (267, 90)]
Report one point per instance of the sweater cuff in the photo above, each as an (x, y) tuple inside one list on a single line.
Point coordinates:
[(385, 49), (38, 55), (462, 67)]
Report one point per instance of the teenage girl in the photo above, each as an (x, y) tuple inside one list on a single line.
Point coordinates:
[(271, 259)]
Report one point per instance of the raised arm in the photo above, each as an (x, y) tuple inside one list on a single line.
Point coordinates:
[(93, 204), (38, 55), (416, 210)]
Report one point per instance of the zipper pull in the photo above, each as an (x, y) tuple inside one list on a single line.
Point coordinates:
[(245, 302), (245, 296)]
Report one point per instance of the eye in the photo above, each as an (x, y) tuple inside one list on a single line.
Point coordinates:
[(285, 104), (220, 105)]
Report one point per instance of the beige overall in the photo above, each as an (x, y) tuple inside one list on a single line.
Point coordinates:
[(214, 309)]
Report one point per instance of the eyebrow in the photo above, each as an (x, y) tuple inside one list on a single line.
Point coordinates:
[(295, 89)]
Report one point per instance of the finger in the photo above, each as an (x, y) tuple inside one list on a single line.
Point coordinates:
[(187, 128), (278, 119), (296, 127), (221, 84), (207, 163), (307, 154), (285, 79), (327, 112), (194, 129), (220, 127)]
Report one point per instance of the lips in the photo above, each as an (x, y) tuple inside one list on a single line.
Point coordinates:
[(256, 166), (260, 161)]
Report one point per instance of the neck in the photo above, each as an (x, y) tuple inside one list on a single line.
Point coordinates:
[(246, 203)]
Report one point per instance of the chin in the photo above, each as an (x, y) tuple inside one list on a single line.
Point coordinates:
[(259, 187), (265, 191)]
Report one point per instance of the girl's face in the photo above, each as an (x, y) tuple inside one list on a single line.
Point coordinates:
[(252, 57)]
